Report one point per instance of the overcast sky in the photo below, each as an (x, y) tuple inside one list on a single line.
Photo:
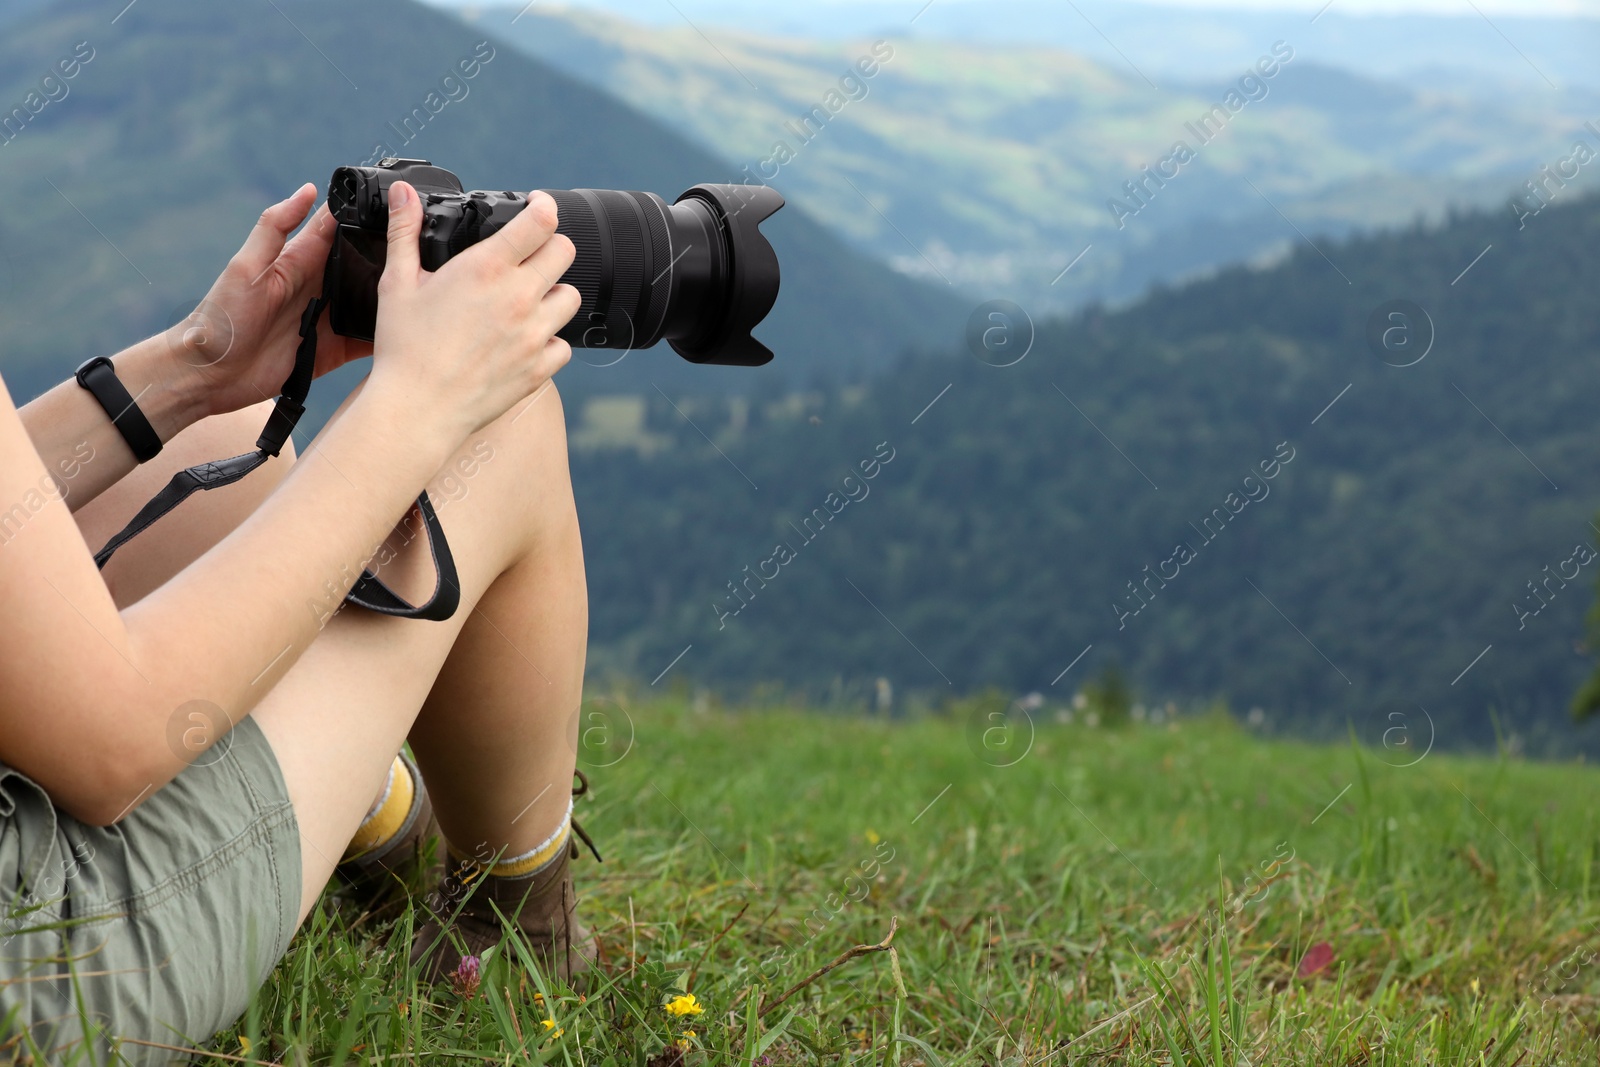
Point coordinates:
[(1420, 7), (1499, 8)]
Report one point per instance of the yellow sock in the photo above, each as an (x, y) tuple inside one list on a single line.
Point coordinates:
[(535, 859), (388, 814)]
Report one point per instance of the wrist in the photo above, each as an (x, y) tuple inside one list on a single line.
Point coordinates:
[(427, 426), (168, 391)]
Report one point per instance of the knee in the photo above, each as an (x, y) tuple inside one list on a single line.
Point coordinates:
[(524, 450), (538, 425)]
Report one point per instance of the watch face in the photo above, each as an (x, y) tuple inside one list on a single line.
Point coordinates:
[(90, 364)]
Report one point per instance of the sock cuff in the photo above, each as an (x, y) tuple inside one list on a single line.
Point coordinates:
[(388, 788), (386, 817), (536, 858)]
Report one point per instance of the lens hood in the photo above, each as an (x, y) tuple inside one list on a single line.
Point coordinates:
[(752, 274)]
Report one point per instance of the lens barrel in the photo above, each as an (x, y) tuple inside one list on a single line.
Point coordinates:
[(697, 273)]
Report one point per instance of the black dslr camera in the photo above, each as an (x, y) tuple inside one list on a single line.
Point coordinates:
[(698, 272)]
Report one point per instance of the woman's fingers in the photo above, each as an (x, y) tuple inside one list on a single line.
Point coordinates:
[(477, 334), (307, 251), (550, 262), (556, 309), (526, 233), (261, 248), (556, 354), (559, 305)]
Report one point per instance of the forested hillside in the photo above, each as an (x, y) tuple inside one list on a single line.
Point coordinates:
[(134, 180), (1409, 514), (1415, 547)]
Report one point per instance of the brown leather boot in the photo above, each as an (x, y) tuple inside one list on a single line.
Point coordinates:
[(466, 912), (408, 862)]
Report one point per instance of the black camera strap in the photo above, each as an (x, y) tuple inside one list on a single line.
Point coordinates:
[(368, 592)]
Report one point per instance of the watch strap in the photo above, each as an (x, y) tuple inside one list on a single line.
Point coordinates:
[(99, 376)]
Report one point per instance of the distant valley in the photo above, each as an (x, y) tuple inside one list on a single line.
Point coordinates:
[(996, 168)]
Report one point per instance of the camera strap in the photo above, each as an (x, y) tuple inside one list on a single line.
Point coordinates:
[(368, 592)]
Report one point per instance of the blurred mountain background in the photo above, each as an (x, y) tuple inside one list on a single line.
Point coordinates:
[(1485, 48), (1031, 514), (1397, 562), (133, 190), (985, 155)]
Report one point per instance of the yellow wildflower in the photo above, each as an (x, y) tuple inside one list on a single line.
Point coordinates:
[(550, 1025), (244, 1045), (684, 1005), (1474, 987), (872, 837)]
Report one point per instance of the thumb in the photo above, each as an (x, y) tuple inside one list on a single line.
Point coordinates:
[(405, 227)]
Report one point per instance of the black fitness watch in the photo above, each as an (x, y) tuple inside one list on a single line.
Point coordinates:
[(99, 376)]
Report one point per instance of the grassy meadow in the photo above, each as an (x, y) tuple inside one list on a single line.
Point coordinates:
[(1181, 892)]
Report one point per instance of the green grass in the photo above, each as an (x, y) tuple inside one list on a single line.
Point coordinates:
[(1134, 896)]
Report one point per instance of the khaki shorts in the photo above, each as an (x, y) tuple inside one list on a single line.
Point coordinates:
[(160, 927)]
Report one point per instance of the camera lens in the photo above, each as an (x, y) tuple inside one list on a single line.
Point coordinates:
[(697, 273)]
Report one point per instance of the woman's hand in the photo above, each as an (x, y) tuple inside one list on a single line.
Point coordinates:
[(459, 346), (240, 342)]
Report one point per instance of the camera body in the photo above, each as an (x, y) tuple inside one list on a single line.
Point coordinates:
[(698, 272), (360, 198)]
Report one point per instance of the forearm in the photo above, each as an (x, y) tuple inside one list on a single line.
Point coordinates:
[(223, 631), (82, 450), (226, 628)]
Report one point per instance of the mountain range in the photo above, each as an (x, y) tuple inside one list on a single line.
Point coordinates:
[(1486, 52), (1019, 170), (1353, 485), (130, 191), (1237, 486)]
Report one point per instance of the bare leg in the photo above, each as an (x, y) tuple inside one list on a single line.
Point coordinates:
[(516, 674), (490, 696)]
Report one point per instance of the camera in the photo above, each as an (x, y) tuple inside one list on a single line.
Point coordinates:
[(697, 273)]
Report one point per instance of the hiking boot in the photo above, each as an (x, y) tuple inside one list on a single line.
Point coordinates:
[(466, 912), (406, 861)]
